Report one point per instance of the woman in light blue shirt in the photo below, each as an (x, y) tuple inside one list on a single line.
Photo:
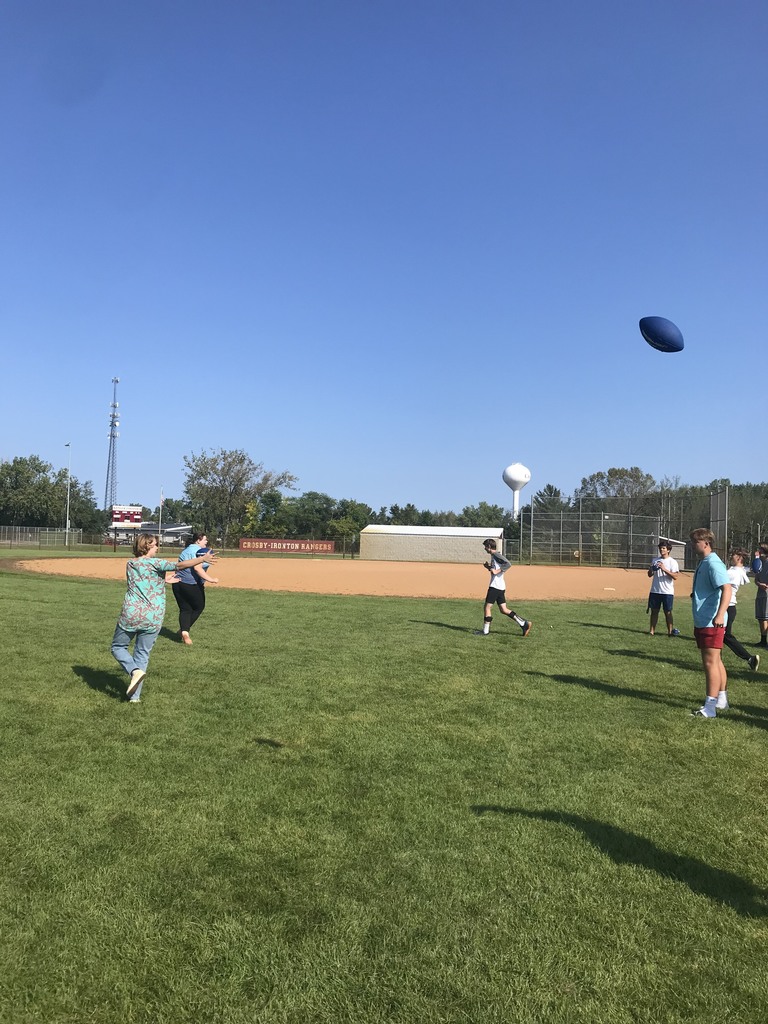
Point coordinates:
[(190, 589)]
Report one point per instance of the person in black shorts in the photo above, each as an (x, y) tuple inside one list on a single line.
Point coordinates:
[(497, 592)]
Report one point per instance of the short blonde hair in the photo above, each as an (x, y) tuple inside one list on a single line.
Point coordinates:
[(703, 534), (143, 543)]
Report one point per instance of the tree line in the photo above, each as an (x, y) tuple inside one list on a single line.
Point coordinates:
[(229, 495)]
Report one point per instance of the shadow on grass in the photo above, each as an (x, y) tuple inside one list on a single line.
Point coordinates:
[(105, 682), (170, 634), (660, 656), (755, 718), (612, 690), (614, 629), (443, 625), (629, 848)]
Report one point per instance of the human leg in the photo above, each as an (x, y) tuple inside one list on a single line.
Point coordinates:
[(714, 671), (487, 617), (197, 603), (730, 640), (710, 641), (181, 591), (121, 654), (654, 620), (524, 624), (145, 641)]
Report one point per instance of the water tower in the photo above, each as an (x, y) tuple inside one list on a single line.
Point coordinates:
[(516, 477)]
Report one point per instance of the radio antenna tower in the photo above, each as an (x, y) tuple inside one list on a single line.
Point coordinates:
[(110, 491)]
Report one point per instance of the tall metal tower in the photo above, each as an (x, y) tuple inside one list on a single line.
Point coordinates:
[(110, 491)]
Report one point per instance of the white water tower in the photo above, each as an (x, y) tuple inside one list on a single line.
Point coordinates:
[(516, 477)]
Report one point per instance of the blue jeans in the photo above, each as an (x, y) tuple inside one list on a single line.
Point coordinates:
[(145, 641)]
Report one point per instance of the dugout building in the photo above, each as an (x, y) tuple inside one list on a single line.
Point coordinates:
[(427, 543)]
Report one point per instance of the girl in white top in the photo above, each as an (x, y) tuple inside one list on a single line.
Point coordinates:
[(737, 576)]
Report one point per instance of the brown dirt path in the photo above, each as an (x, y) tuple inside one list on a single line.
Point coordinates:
[(392, 579)]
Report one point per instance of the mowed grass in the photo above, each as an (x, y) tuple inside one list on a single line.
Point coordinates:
[(335, 809)]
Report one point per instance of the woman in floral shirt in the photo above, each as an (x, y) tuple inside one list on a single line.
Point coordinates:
[(144, 608)]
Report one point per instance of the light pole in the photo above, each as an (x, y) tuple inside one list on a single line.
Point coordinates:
[(69, 481)]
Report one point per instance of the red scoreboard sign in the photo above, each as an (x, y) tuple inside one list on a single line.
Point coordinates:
[(127, 515), (296, 547)]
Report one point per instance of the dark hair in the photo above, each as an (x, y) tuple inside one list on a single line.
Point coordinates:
[(489, 544), (196, 537)]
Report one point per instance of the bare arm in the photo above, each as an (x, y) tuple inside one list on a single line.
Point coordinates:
[(210, 557), (725, 600)]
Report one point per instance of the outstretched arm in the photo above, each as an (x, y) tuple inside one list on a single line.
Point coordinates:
[(191, 562)]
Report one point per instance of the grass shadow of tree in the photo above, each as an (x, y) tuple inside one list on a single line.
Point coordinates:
[(625, 847)]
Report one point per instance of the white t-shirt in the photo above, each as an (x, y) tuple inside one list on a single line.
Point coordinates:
[(662, 584), (737, 577)]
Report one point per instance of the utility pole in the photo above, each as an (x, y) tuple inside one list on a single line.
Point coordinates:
[(69, 481)]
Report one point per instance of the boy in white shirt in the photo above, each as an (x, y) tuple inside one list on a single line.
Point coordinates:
[(664, 571)]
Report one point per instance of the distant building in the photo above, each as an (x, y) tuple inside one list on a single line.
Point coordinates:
[(427, 543), (173, 533)]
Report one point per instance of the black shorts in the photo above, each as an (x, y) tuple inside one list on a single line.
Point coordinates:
[(657, 601), (495, 596)]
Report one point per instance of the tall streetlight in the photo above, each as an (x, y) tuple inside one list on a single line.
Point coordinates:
[(69, 481)]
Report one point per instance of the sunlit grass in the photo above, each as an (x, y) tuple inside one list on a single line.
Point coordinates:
[(354, 809)]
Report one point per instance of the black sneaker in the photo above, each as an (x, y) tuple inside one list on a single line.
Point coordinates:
[(754, 662)]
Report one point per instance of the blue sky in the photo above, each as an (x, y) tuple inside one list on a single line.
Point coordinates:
[(390, 247)]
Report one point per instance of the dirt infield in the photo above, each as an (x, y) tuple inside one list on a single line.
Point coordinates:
[(392, 579)]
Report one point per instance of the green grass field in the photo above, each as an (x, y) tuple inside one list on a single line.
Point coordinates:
[(355, 810)]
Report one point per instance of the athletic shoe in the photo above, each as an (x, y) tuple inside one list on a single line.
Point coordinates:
[(479, 632), (527, 628), (135, 700), (704, 712), (722, 702), (754, 662), (137, 678), (675, 632)]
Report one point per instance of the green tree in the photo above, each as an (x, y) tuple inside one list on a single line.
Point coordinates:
[(311, 513), (267, 516), (31, 494), (220, 484), (28, 494), (408, 515), (344, 529), (360, 513), (483, 514), (175, 510), (549, 499)]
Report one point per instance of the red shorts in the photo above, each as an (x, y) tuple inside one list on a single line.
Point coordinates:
[(709, 636)]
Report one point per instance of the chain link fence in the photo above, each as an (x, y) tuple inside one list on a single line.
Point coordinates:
[(597, 538), (42, 537)]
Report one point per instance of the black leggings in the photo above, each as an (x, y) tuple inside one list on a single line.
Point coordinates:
[(190, 597), (730, 640)]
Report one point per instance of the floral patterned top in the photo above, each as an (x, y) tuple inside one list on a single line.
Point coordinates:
[(144, 603)]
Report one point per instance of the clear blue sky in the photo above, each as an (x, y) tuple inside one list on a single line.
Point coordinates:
[(390, 246)]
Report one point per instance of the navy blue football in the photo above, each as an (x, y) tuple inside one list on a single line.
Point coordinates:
[(661, 334)]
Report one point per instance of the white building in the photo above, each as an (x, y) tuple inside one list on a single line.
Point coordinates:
[(427, 543)]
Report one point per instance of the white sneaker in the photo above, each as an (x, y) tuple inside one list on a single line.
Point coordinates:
[(722, 702), (137, 676), (704, 712)]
